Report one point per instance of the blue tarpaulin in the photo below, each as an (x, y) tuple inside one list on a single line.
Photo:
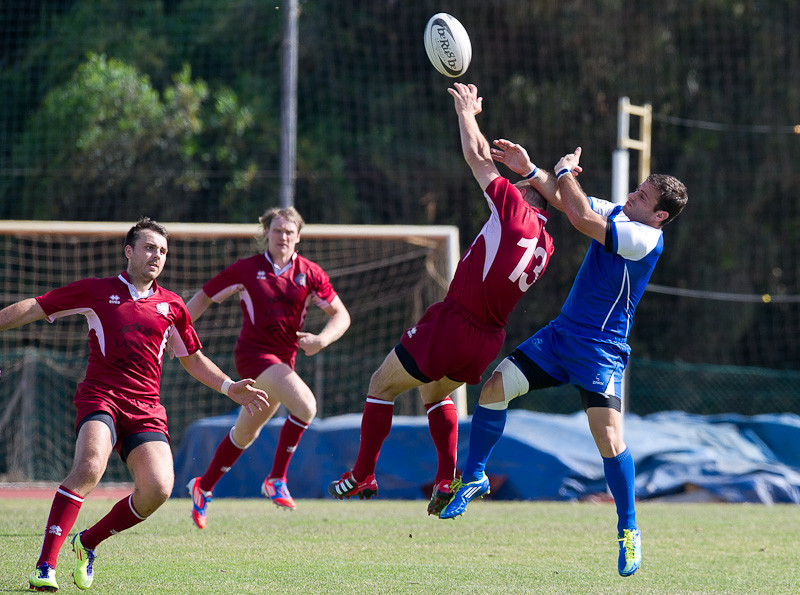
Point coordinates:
[(540, 457)]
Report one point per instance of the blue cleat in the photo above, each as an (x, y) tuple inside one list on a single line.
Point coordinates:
[(630, 551), (464, 493)]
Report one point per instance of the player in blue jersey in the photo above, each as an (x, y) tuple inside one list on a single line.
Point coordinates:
[(586, 345)]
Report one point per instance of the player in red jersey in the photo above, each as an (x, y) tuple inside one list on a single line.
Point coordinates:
[(456, 339), (132, 322), (275, 289)]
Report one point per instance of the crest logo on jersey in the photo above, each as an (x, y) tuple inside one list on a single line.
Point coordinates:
[(261, 275), (113, 299), (163, 309), (300, 279), (411, 332)]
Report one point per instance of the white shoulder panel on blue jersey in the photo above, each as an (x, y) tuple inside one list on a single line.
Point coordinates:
[(634, 241), (600, 206)]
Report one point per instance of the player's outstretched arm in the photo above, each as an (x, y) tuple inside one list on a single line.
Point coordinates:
[(242, 392), (515, 157), (474, 145), (336, 326), (20, 313), (575, 201)]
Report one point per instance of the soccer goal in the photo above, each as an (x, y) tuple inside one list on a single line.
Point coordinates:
[(385, 275)]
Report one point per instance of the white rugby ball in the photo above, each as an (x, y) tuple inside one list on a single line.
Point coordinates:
[(447, 45)]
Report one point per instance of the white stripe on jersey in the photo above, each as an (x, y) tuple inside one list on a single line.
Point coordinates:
[(92, 320), (625, 287), (176, 345), (225, 293), (492, 232), (247, 300)]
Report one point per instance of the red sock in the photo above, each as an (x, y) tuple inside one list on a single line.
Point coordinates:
[(291, 433), (122, 516), (443, 425), (226, 455), (376, 422), (63, 512)]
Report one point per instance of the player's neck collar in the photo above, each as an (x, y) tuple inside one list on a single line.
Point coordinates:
[(123, 276), (286, 267)]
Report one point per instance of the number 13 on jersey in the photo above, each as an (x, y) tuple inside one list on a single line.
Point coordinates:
[(532, 251)]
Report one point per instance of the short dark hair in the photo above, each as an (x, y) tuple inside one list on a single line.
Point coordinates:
[(673, 195), (142, 224), (532, 196)]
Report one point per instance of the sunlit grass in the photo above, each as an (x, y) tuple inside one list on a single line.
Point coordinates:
[(384, 547)]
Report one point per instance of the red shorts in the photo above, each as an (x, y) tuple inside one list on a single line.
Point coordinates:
[(250, 364), (130, 415), (448, 342)]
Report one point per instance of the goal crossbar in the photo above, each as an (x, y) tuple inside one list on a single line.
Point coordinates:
[(422, 234)]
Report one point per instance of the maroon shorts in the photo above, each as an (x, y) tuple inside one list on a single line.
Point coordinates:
[(131, 416), (250, 364), (447, 341)]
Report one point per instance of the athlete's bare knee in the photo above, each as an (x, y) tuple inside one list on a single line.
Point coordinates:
[(305, 411), (151, 494), (304, 407), (242, 438), (492, 391), (380, 385), (85, 475), (161, 492), (607, 436), (146, 503)]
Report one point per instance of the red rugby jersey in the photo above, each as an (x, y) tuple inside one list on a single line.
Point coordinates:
[(127, 337), (273, 306), (509, 254)]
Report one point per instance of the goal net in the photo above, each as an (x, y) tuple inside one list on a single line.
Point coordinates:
[(385, 275)]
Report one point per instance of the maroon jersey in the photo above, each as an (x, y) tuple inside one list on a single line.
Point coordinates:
[(127, 336), (274, 303), (508, 256)]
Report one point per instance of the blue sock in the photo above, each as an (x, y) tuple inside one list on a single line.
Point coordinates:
[(486, 429), (620, 474)]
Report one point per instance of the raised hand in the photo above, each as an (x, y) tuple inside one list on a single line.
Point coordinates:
[(466, 98), (570, 162), (512, 155)]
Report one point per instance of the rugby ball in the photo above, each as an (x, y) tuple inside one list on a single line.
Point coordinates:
[(447, 45)]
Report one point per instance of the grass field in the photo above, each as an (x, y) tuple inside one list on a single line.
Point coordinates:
[(387, 547)]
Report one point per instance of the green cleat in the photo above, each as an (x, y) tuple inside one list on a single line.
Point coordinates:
[(630, 552), (43, 578), (83, 575)]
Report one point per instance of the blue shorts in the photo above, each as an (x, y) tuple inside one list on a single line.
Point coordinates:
[(571, 357)]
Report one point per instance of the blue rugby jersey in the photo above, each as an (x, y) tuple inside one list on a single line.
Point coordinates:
[(613, 276)]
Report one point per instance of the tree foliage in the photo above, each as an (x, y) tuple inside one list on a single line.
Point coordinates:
[(173, 108)]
